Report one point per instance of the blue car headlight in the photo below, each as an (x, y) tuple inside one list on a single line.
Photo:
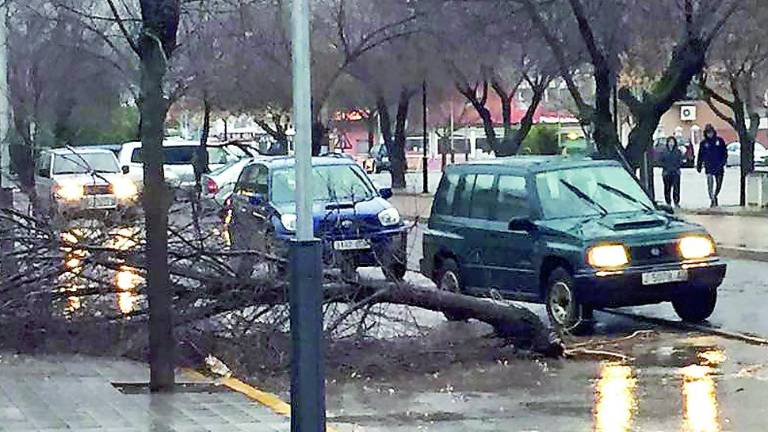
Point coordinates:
[(389, 217), (289, 221)]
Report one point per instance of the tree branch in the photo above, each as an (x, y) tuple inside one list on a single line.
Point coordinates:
[(121, 26)]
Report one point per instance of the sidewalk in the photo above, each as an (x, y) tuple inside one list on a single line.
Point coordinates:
[(739, 233), (64, 393)]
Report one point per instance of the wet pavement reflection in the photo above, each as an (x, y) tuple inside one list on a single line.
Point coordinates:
[(615, 403), (80, 280), (700, 407)]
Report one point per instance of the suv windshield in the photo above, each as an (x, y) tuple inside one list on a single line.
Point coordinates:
[(83, 163), (559, 199), (330, 183)]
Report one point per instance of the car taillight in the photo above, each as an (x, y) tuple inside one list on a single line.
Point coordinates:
[(212, 186)]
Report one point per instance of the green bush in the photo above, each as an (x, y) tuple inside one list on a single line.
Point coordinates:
[(541, 140)]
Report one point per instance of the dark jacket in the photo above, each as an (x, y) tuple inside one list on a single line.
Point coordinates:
[(713, 156), (671, 160)]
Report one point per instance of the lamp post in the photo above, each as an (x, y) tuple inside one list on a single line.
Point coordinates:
[(425, 140), (306, 295)]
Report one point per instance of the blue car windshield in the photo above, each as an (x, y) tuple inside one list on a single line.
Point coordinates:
[(330, 183), (607, 189)]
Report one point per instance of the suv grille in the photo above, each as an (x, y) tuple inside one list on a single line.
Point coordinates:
[(98, 189), (655, 253)]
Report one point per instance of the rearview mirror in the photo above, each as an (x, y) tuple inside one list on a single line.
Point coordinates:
[(385, 193), (522, 224), (256, 199), (125, 169)]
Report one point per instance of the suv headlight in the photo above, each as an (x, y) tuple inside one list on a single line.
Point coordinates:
[(696, 247), (389, 217), (608, 256), (124, 188), (70, 191), (289, 221)]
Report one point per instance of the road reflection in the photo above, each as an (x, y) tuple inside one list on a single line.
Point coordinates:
[(700, 408), (76, 281), (615, 402)]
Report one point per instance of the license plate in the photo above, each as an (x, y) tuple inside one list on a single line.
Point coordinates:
[(103, 201), (667, 276), (357, 244)]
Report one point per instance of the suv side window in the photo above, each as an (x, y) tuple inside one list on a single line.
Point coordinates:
[(44, 165), (464, 195), (483, 197), (512, 200), (446, 195)]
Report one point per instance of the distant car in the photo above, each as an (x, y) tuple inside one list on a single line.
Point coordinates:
[(575, 235), (689, 154), (358, 226), (734, 154), (378, 160), (218, 184), (70, 182), (178, 168)]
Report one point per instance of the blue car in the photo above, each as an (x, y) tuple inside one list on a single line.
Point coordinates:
[(357, 224)]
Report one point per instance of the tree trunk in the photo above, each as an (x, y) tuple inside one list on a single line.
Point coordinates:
[(526, 123), (370, 123), (319, 136), (479, 105), (206, 127), (397, 160), (605, 135), (160, 21)]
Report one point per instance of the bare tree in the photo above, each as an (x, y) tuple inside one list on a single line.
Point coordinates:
[(735, 80)]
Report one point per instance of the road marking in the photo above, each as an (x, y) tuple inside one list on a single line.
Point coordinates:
[(750, 339), (269, 400)]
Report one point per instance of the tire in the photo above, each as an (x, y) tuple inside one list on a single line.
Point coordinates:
[(448, 278), (563, 308), (698, 308)]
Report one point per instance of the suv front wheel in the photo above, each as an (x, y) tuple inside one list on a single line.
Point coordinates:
[(448, 278), (696, 308), (563, 308)]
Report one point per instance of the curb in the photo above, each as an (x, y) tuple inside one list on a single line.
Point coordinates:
[(737, 211), (735, 252)]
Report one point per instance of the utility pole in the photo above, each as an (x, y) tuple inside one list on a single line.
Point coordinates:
[(306, 292), (6, 189), (425, 140)]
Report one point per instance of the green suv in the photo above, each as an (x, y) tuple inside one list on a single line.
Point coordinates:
[(575, 234)]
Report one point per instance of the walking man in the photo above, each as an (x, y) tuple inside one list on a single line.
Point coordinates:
[(671, 162), (713, 156)]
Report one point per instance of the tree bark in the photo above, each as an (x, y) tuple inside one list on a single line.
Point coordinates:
[(397, 160), (478, 103), (206, 126), (158, 40)]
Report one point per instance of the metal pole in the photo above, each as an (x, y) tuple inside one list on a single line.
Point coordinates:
[(425, 140), (6, 190), (306, 296)]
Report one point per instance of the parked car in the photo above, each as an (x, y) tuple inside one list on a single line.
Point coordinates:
[(689, 154), (219, 184), (734, 154), (178, 161), (71, 181), (573, 234), (357, 224), (378, 160)]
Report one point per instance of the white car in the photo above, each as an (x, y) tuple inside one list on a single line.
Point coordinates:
[(71, 181), (177, 168), (734, 154)]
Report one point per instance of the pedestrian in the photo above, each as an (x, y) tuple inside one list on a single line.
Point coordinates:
[(713, 156), (671, 162)]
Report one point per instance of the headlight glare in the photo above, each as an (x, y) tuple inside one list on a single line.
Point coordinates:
[(70, 191), (608, 256), (124, 188), (696, 247)]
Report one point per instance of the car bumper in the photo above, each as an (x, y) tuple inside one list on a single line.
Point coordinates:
[(625, 287), (383, 246), (94, 203)]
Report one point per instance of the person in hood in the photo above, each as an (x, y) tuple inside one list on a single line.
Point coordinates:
[(713, 156), (671, 163)]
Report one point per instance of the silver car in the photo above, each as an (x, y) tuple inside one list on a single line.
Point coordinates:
[(71, 181)]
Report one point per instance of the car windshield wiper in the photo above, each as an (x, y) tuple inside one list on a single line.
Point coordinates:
[(580, 193), (626, 196)]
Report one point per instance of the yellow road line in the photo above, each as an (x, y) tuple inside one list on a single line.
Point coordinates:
[(269, 400)]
